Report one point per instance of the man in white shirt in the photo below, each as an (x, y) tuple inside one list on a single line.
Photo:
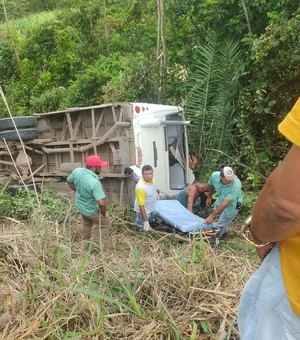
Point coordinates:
[(145, 198), (133, 172)]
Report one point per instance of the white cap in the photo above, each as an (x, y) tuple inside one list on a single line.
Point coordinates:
[(228, 173)]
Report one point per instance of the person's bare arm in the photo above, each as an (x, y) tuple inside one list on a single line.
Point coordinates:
[(72, 186), (276, 214), (217, 211), (102, 206), (191, 192), (143, 213)]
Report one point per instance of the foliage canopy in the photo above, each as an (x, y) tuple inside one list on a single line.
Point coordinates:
[(234, 66)]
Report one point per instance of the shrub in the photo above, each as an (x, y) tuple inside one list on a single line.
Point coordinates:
[(25, 202)]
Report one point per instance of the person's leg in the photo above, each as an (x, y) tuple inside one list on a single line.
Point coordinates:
[(139, 220), (264, 311), (225, 220), (105, 225), (86, 228), (102, 222), (152, 216)]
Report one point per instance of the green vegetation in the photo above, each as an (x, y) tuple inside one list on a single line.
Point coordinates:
[(147, 286), (214, 82), (155, 284), (22, 204), (233, 65)]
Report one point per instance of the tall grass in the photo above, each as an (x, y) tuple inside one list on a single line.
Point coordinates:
[(140, 287), (22, 25)]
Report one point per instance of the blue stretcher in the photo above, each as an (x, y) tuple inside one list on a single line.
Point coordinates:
[(176, 216)]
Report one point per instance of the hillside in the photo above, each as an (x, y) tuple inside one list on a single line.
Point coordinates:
[(235, 83)]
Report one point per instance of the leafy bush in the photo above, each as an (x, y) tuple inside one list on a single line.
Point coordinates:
[(18, 99), (249, 200), (271, 90), (113, 78), (6, 202), (8, 67), (50, 100), (23, 204)]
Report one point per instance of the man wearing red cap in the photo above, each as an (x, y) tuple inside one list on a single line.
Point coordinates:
[(90, 197)]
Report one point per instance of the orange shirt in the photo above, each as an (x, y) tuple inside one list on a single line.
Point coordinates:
[(290, 248)]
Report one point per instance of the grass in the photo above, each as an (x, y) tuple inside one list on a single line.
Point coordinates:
[(22, 25), (141, 286)]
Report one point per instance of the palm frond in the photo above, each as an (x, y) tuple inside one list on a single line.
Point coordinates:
[(214, 84)]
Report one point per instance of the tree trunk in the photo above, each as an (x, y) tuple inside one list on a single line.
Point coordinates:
[(11, 37), (162, 53), (105, 26), (247, 17)]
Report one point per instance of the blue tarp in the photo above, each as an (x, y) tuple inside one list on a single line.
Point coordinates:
[(177, 216)]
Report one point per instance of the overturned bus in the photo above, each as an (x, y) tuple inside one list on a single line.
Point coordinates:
[(123, 134)]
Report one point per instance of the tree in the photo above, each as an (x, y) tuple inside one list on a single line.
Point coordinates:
[(162, 52), (211, 104), (272, 87)]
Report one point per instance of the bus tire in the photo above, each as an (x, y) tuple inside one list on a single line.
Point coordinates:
[(25, 134), (21, 123)]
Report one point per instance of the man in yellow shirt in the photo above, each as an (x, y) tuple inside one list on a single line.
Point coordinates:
[(270, 303), (145, 200)]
